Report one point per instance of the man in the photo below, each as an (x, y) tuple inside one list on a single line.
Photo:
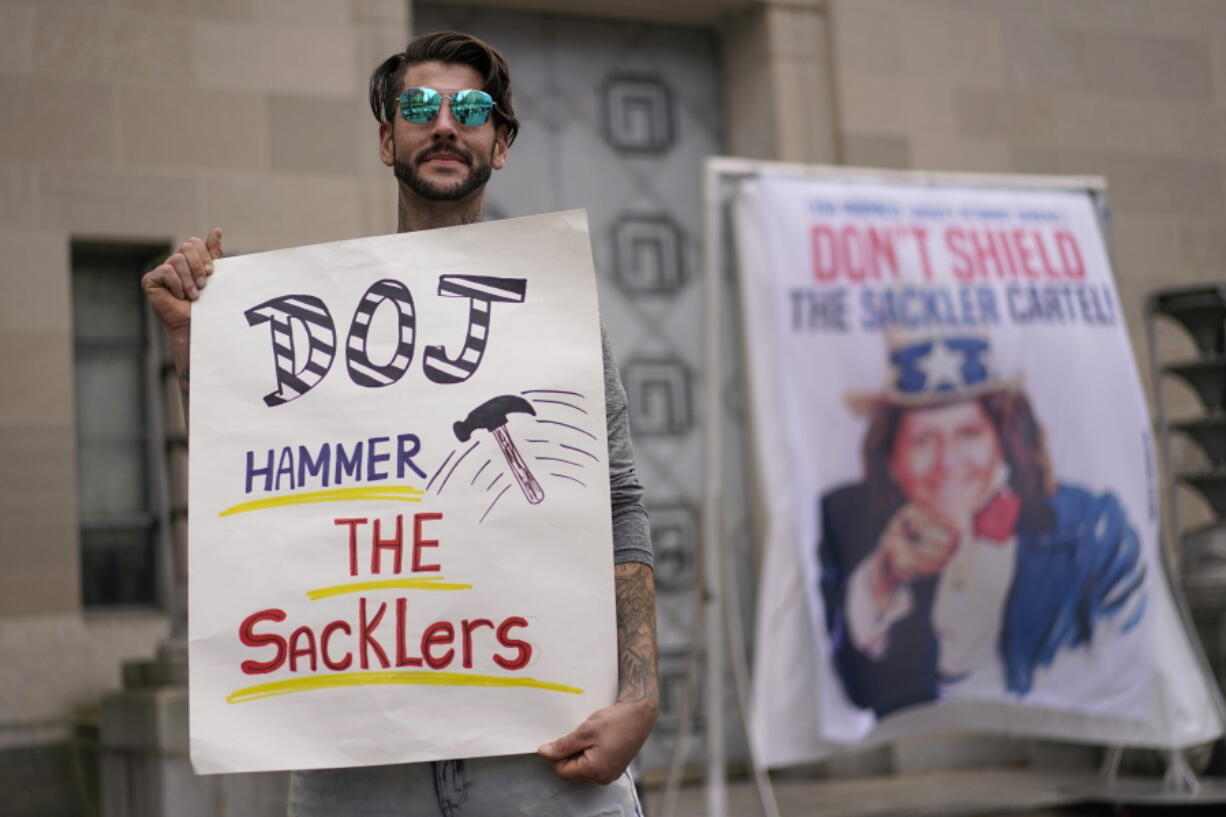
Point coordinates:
[(446, 122), (958, 567)]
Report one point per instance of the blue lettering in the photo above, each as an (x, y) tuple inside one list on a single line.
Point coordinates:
[(407, 445), (317, 467), (285, 467), (352, 467), (332, 464), (374, 457), (253, 472)]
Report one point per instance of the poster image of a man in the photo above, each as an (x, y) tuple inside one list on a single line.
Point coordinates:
[(959, 566)]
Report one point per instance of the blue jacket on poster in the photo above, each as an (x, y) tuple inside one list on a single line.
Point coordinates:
[(1085, 567)]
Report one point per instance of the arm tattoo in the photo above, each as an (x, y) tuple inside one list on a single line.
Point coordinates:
[(636, 633)]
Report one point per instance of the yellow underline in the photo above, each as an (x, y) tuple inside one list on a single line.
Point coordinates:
[(422, 677), (418, 583), (397, 493)]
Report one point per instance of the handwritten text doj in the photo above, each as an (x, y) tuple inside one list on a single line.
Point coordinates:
[(298, 369)]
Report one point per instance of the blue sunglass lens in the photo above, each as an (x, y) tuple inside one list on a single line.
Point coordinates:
[(470, 108), (420, 105)]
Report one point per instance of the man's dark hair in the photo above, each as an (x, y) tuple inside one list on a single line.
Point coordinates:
[(1021, 442), (449, 47)]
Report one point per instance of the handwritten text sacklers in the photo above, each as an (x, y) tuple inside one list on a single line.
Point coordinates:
[(363, 637)]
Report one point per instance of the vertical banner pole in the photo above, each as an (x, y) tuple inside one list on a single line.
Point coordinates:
[(1172, 530), (712, 528)]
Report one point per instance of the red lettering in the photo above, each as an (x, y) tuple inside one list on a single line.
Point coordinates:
[(419, 543), (466, 628), (921, 241), (395, 545), (825, 256), (985, 251), (250, 638), (403, 659), (881, 248), (1024, 254), (439, 633), (365, 637), (353, 541), (855, 265), (522, 647), (308, 651), (1048, 269), (1070, 254), (1001, 239), (963, 269), (325, 636)]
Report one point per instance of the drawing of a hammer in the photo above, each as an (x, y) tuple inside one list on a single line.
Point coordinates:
[(492, 416)]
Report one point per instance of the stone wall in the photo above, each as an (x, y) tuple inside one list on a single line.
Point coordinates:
[(147, 121), (152, 120)]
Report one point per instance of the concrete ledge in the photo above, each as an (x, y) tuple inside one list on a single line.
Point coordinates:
[(146, 720), (41, 781), (932, 794)]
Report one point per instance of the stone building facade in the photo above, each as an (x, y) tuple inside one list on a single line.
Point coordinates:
[(129, 125)]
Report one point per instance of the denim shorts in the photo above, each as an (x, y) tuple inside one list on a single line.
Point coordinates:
[(508, 786)]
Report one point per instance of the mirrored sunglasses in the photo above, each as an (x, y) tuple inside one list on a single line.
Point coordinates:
[(469, 107)]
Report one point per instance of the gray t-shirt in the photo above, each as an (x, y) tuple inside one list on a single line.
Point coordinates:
[(631, 535), (377, 789)]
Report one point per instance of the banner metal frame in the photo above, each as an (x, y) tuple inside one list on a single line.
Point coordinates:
[(722, 176)]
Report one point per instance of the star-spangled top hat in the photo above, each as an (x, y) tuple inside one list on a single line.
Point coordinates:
[(932, 369)]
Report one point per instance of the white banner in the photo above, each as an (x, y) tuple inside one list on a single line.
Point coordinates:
[(401, 546), (963, 521)]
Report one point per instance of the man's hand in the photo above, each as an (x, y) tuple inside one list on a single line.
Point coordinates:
[(176, 282), (171, 287), (604, 744)]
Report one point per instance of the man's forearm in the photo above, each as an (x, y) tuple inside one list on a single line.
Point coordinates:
[(180, 354), (636, 634)]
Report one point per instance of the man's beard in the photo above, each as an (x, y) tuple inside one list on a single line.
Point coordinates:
[(478, 175)]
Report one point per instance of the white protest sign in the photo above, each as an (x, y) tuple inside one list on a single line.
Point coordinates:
[(400, 535)]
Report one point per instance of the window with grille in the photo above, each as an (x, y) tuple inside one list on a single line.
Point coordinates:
[(115, 371)]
